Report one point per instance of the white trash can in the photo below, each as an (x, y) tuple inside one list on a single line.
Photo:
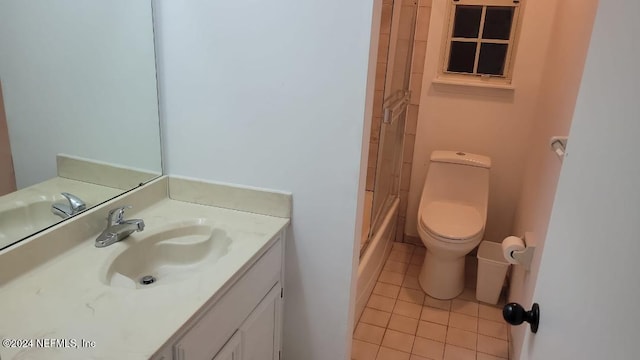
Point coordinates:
[(492, 270)]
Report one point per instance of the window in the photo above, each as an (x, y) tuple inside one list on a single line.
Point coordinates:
[(480, 40)]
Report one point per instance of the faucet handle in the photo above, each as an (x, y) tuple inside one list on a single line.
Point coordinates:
[(75, 203), (116, 216)]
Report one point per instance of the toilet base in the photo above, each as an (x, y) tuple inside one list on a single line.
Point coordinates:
[(442, 278)]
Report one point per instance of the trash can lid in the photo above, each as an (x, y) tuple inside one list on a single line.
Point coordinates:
[(491, 251)]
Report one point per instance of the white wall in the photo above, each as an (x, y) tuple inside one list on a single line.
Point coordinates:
[(479, 120), (272, 94), (553, 114), (78, 78)]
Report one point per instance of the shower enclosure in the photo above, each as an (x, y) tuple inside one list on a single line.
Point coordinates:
[(387, 131), (386, 143)]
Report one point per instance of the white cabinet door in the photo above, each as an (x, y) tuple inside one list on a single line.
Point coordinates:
[(230, 350), (261, 330)]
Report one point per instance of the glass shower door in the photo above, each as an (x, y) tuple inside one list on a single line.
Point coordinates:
[(396, 95)]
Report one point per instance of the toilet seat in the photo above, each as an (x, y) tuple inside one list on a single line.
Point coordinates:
[(452, 222)]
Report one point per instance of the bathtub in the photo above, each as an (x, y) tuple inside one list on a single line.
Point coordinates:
[(372, 261)]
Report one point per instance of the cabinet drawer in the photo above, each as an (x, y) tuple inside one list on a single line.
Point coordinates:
[(216, 326)]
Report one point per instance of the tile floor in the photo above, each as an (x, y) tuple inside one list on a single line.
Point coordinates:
[(400, 322)]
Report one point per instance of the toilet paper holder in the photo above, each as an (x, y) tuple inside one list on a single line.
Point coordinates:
[(524, 257)]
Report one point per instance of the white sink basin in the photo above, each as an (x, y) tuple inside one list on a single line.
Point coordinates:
[(167, 255), (23, 218)]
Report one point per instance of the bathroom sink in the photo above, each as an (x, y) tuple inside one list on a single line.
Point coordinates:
[(166, 255), (22, 218)]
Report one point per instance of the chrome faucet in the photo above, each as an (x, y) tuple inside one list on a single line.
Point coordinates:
[(118, 228), (74, 206)]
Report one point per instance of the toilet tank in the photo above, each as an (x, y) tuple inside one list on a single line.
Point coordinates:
[(459, 177)]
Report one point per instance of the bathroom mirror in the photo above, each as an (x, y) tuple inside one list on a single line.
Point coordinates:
[(78, 108)]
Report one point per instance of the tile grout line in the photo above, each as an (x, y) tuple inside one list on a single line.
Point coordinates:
[(403, 279), (395, 301)]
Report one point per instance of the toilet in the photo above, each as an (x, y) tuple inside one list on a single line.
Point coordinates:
[(451, 218)]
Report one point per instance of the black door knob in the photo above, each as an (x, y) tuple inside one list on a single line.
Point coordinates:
[(515, 314)]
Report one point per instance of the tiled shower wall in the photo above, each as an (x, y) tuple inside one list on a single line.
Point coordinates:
[(415, 84)]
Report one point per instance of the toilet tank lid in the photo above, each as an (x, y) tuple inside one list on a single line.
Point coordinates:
[(460, 157)]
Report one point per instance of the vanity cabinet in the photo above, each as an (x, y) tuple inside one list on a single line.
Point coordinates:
[(258, 337), (244, 323), (260, 333), (232, 349)]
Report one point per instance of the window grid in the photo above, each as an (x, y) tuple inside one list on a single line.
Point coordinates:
[(479, 40), (480, 32)]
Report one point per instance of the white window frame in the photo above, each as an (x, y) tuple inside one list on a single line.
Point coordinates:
[(499, 81)]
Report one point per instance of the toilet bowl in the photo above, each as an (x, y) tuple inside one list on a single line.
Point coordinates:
[(451, 218)]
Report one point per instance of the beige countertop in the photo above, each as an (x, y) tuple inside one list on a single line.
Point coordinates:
[(66, 297)]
